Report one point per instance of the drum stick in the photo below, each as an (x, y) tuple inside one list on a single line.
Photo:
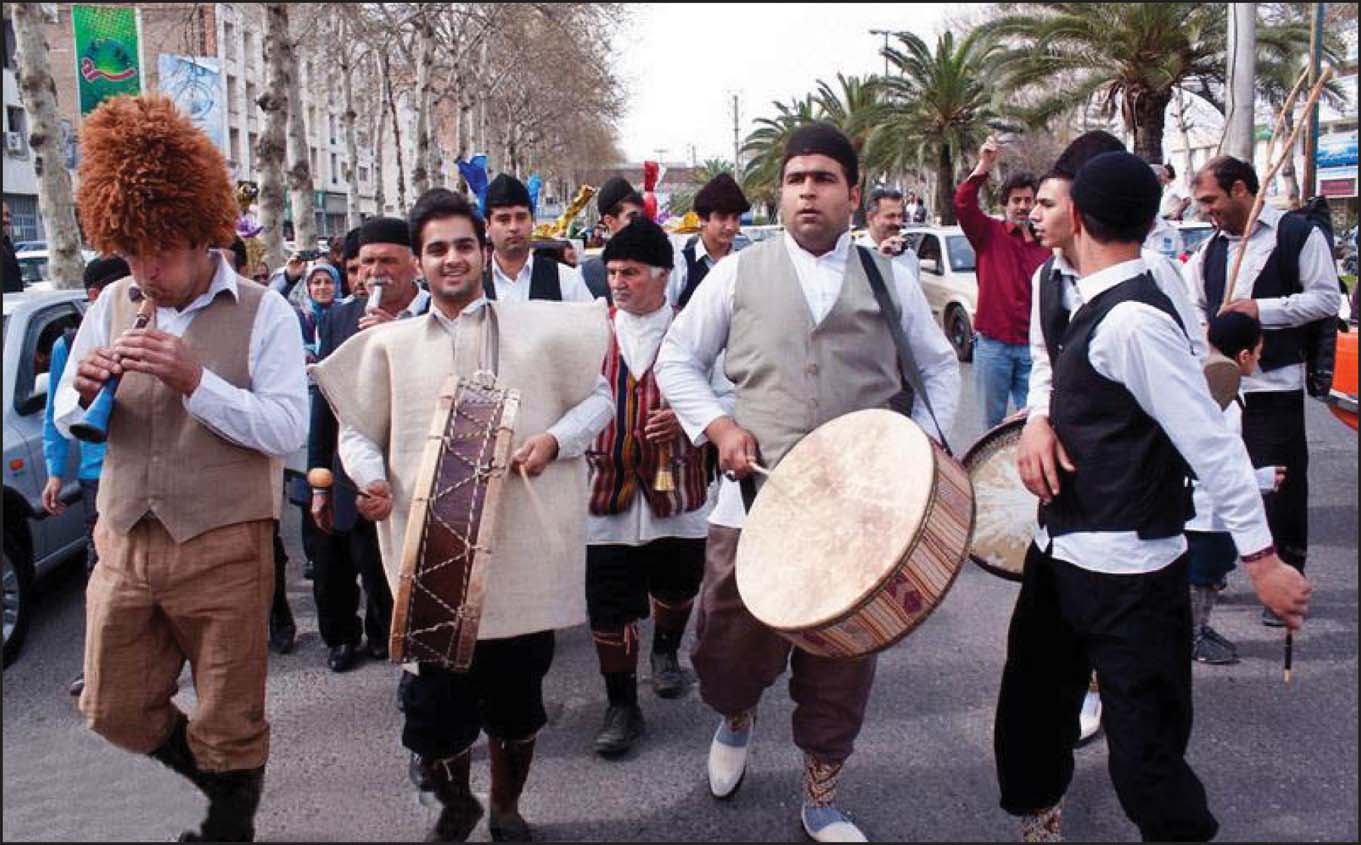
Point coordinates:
[(322, 480), (1289, 648)]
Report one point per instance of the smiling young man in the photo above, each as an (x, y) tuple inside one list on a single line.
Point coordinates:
[(805, 342), (515, 274), (551, 354), (212, 394)]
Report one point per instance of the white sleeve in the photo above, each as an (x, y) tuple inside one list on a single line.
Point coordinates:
[(680, 276), (1041, 371), (934, 355), (93, 333), (1171, 282), (361, 457), (573, 284), (1319, 296), (1194, 274), (1142, 348), (584, 421), (692, 346)]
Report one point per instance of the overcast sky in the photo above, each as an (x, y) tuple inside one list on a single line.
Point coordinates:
[(683, 62)]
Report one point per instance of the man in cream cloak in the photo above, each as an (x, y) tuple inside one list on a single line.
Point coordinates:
[(383, 385)]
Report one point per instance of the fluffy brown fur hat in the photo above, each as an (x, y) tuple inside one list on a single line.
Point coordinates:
[(149, 179)]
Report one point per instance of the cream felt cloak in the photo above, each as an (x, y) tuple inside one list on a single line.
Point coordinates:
[(384, 382)]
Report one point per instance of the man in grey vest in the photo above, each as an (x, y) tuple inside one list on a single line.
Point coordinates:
[(805, 343), (209, 399)]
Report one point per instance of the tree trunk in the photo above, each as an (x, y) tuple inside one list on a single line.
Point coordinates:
[(300, 172), (1292, 183), (1186, 175), (39, 95), (420, 173), (945, 186), (1241, 58), (351, 142), (271, 148), (396, 135), (1149, 111), (379, 178)]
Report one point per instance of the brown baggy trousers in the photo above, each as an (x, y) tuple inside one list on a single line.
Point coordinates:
[(736, 657), (153, 603)]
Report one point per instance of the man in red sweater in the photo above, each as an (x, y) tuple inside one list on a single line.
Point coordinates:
[(1008, 255)]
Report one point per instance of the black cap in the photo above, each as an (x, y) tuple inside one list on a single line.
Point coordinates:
[(615, 190), (104, 271), (385, 230), (1083, 149), (641, 240), (1117, 190), (506, 191), (822, 138), (351, 244), (721, 194)]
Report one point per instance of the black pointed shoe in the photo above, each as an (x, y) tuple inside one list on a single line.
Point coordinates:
[(341, 657), (622, 727)]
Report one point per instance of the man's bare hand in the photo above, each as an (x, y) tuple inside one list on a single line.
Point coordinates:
[(321, 512), (987, 156), (93, 370), (52, 502), (162, 355), (535, 455), (376, 506), (1038, 458), (1243, 306), (736, 447), (1282, 589), (892, 246), (662, 426), (374, 317)]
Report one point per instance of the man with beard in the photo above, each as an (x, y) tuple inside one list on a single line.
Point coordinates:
[(514, 273)]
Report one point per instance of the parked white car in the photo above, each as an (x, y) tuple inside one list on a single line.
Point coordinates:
[(949, 280)]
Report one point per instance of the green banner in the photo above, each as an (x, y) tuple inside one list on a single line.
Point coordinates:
[(106, 54)]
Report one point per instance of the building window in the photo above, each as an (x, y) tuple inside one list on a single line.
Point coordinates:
[(231, 94), (332, 123), (15, 122), (363, 174), (335, 170), (234, 144), (314, 162), (11, 45), (229, 40), (249, 44), (251, 104)]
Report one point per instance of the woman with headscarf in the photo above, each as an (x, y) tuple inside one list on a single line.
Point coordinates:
[(322, 284)]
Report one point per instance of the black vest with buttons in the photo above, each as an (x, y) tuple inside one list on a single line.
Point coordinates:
[(543, 280), (1129, 475)]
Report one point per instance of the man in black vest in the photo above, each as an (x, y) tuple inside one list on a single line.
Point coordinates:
[(618, 203), (720, 205), (1105, 581), (514, 274), (1287, 281), (349, 548)]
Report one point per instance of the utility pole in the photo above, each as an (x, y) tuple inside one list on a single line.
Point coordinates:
[(886, 33), (736, 142), (1309, 188)]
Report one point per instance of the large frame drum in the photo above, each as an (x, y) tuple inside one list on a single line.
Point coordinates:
[(1006, 510), (856, 536)]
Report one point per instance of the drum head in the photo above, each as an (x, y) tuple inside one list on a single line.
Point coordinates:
[(834, 518), (1005, 520)]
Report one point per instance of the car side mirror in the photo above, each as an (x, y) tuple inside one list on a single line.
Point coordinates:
[(931, 265)]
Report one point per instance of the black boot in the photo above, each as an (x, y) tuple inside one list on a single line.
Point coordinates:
[(510, 763), (233, 798), (461, 810), (623, 723), (174, 753), (668, 681)]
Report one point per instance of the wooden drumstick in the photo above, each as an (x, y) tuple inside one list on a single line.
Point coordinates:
[(322, 479), (1289, 648)]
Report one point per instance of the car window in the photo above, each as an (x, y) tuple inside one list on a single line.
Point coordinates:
[(929, 248), (33, 269), (44, 329), (962, 258)]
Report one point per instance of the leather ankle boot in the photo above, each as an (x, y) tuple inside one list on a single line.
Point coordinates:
[(174, 754), (510, 762), (461, 811), (233, 798)]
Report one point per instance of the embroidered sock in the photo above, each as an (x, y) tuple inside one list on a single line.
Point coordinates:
[(1044, 826), (819, 781)]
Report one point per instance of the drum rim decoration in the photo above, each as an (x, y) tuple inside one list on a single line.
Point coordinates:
[(991, 442)]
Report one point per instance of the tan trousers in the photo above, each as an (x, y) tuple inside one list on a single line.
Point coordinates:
[(151, 604)]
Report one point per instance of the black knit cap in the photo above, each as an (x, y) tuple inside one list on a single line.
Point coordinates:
[(615, 190), (351, 244), (1118, 190), (385, 230), (641, 240), (721, 194), (1083, 149), (823, 139), (506, 191), (104, 271)]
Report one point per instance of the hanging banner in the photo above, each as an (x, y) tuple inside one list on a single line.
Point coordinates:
[(106, 54), (195, 84)]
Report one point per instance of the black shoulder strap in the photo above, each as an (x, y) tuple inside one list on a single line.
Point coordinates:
[(543, 279), (892, 318), (488, 284)]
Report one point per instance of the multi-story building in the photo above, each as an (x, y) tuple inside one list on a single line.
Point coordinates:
[(21, 181)]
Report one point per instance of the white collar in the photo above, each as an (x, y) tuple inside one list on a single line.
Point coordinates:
[(702, 252), (632, 322), (1090, 287), (471, 308), (525, 271), (836, 254), (223, 279)]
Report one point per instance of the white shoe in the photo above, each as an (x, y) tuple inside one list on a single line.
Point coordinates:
[(1089, 720), (828, 824), (728, 755)]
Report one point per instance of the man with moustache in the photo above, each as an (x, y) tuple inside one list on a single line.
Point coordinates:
[(551, 354), (884, 214), (772, 307), (514, 273)]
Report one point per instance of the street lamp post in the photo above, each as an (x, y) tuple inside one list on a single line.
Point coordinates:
[(886, 33)]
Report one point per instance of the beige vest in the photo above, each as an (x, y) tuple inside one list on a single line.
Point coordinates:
[(792, 376), (163, 461), (384, 382)]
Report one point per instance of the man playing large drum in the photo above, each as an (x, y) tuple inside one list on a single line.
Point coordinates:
[(805, 343), (384, 384)]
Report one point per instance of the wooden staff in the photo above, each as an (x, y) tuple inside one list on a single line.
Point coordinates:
[(1257, 204), (1289, 647), (1285, 110)]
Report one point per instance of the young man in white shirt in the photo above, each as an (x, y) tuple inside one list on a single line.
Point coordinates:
[(720, 205), (514, 273), (1105, 581), (618, 203), (769, 308)]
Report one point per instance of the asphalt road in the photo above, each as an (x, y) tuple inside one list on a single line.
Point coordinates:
[(1279, 762)]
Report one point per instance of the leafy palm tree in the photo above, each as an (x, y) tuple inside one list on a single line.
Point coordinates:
[(683, 199), (934, 109), (764, 148), (1129, 57)]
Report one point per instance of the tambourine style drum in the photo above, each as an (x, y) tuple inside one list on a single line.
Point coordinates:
[(856, 535), (447, 549), (1006, 510)]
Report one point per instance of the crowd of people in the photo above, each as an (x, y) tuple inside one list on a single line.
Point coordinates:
[(652, 385)]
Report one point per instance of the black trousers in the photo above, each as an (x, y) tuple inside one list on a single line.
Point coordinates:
[(279, 609), (343, 558), (620, 578), (1273, 429), (1135, 630), (501, 693)]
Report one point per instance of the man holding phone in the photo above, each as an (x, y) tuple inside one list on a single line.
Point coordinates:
[(884, 215)]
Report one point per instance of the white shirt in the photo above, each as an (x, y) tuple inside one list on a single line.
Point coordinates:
[(1318, 299), (364, 462), (1141, 348), (517, 289), (1165, 275), (680, 269), (1204, 518), (908, 256), (639, 338), (700, 333), (270, 416)]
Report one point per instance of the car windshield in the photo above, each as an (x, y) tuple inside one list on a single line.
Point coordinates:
[(32, 269), (961, 254)]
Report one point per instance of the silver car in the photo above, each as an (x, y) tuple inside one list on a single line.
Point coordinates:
[(34, 543), (949, 281)]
